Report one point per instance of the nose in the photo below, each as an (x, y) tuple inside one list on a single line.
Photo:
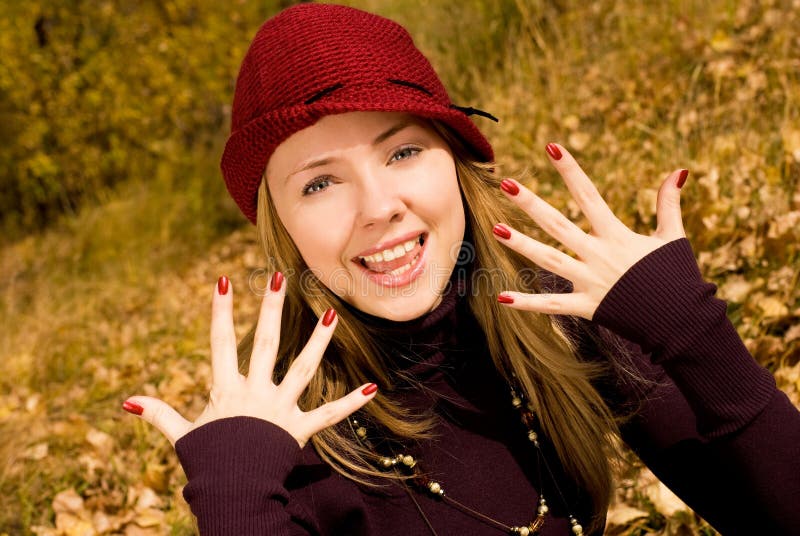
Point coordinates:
[(380, 202)]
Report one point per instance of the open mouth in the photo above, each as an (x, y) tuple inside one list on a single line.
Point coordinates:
[(397, 260)]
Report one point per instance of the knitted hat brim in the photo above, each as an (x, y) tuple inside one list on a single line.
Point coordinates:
[(249, 149)]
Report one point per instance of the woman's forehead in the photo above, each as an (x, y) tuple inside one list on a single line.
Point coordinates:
[(338, 132)]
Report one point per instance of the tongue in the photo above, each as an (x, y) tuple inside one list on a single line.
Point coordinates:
[(388, 266)]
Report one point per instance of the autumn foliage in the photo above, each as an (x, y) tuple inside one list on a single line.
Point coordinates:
[(116, 223)]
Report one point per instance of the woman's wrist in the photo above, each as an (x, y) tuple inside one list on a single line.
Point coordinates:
[(661, 301)]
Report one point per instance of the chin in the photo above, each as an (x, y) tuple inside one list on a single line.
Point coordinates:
[(402, 308)]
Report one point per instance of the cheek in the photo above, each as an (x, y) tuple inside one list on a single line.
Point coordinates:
[(442, 198), (320, 236)]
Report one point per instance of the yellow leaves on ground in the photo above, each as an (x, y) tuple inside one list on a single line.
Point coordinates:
[(73, 518)]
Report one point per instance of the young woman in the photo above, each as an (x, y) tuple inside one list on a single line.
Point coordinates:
[(423, 366)]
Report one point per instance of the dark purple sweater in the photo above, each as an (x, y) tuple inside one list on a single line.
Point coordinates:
[(712, 425)]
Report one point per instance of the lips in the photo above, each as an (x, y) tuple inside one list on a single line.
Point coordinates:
[(390, 262), (399, 271)]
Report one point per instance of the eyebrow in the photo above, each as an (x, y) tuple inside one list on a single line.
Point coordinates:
[(380, 138)]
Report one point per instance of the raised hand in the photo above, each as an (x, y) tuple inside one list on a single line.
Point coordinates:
[(603, 255), (256, 395)]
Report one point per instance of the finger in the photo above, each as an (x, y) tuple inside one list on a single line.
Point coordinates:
[(573, 303), (543, 255), (548, 218), (224, 363), (334, 412), (160, 414), (306, 363), (268, 331), (583, 190), (668, 206)]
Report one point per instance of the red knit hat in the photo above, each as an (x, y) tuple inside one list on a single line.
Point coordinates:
[(313, 60)]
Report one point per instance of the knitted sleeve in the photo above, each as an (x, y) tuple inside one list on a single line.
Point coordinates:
[(714, 427), (236, 469)]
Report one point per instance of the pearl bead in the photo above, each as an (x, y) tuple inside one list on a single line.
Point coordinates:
[(577, 530), (542, 510), (361, 432), (387, 462), (524, 531), (533, 436), (435, 488), (408, 461), (516, 402)]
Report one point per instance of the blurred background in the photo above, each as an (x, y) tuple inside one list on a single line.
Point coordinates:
[(116, 224)]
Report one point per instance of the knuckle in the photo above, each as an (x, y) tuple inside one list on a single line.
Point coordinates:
[(553, 259), (304, 369), (552, 304), (263, 343), (329, 415), (220, 339), (157, 415), (586, 195)]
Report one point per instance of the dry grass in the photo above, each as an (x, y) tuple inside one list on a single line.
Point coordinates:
[(115, 300)]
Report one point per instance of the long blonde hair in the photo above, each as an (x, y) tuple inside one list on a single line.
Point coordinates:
[(529, 346)]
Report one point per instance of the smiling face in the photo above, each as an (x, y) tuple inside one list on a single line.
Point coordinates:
[(372, 202)]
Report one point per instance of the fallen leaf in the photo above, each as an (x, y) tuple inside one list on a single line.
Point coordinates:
[(68, 501), (36, 452), (101, 441), (735, 289), (772, 308), (578, 140)]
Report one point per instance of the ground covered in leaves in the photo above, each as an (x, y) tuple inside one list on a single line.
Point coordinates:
[(113, 300)]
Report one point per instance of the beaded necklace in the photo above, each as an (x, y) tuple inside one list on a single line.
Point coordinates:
[(411, 467)]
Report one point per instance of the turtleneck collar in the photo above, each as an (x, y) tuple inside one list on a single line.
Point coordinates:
[(415, 346)]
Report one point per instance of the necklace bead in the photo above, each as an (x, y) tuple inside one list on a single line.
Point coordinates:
[(577, 529), (436, 488), (409, 463)]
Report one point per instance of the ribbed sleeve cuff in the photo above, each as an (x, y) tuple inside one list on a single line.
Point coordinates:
[(663, 304), (236, 469)]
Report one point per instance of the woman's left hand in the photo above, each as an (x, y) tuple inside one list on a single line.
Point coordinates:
[(603, 255)]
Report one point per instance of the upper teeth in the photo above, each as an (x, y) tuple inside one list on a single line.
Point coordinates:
[(392, 253)]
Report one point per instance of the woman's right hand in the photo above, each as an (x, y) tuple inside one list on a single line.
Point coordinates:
[(255, 395)]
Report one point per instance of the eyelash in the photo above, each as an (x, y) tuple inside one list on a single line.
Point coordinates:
[(316, 181)]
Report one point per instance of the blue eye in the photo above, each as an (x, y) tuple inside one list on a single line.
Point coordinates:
[(317, 184), (404, 153)]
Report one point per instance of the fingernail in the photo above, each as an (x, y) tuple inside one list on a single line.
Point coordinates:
[(501, 231), (276, 282), (682, 178), (369, 389), (553, 150), (133, 407), (509, 187), (222, 285), (330, 314), (502, 298)]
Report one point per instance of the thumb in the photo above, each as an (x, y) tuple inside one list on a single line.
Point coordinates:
[(160, 414), (668, 206)]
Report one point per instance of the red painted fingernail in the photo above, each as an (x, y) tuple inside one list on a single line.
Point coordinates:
[(330, 314), (509, 187), (501, 231), (276, 282), (553, 150), (132, 407), (502, 298), (369, 389), (222, 285), (682, 178)]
